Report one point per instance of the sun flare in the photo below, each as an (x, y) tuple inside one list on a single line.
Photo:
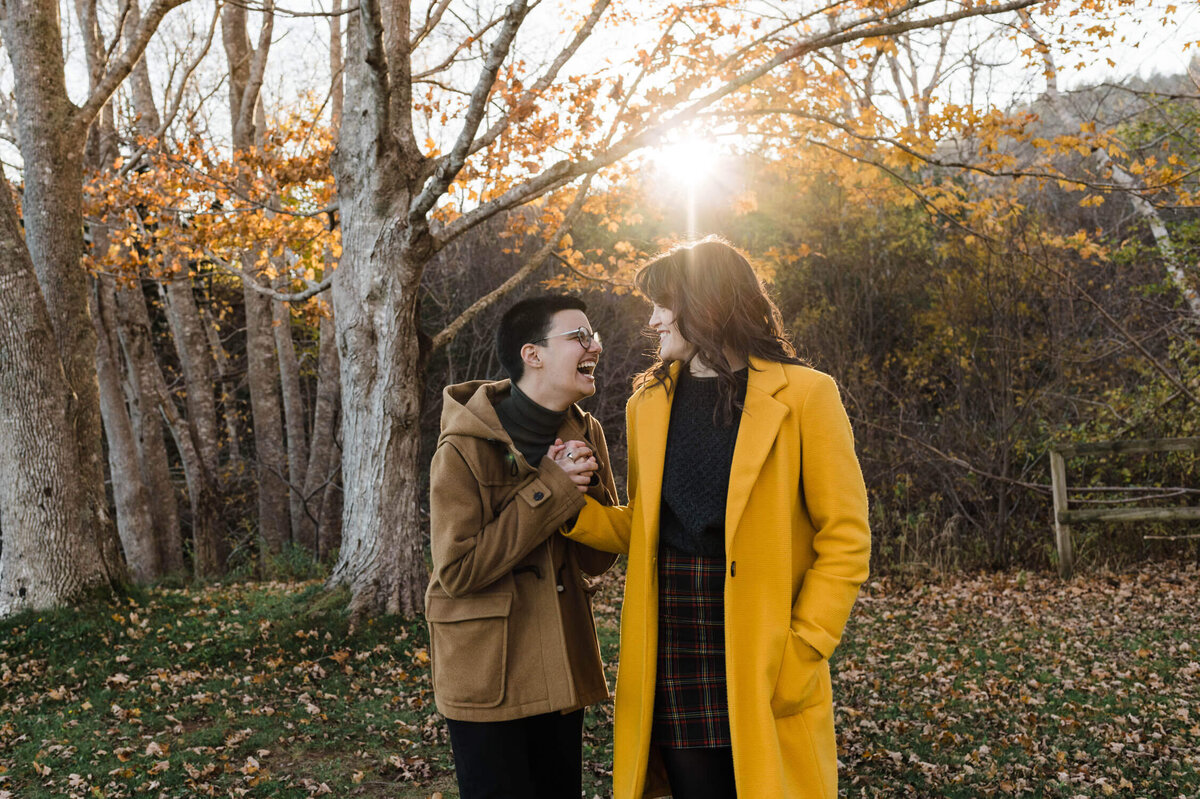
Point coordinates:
[(688, 160)]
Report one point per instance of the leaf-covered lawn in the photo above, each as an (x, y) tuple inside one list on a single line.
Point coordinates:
[(971, 686), (1006, 684)]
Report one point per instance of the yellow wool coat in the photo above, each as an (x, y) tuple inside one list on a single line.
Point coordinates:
[(797, 548)]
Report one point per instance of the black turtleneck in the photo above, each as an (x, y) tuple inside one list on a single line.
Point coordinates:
[(531, 427)]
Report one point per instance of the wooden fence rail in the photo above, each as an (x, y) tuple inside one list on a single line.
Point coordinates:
[(1064, 516)]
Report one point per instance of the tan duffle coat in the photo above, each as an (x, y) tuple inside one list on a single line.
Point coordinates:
[(797, 548), (509, 604)]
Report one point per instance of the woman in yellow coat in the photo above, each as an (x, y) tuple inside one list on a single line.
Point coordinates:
[(747, 538)]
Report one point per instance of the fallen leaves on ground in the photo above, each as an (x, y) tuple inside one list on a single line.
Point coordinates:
[(976, 685), (1019, 684)]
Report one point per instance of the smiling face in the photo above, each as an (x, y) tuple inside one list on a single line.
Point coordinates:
[(558, 369), (672, 346)]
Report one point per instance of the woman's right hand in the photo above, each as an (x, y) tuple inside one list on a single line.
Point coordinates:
[(576, 459)]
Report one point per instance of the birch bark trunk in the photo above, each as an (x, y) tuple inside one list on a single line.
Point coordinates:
[(1070, 119)]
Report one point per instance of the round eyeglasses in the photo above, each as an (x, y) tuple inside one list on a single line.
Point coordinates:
[(584, 336)]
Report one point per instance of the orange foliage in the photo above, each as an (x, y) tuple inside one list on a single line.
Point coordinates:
[(185, 203)]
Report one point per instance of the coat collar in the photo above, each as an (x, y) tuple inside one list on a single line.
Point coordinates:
[(761, 419), (654, 416)]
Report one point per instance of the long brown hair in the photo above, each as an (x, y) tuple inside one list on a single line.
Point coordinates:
[(719, 304)]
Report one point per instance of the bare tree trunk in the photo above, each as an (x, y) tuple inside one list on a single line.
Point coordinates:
[(200, 451), (247, 65), (208, 540), (134, 332), (208, 532), (50, 553), (325, 459), (294, 416), (336, 92), (139, 79), (262, 369), (374, 305), (224, 377), (51, 144), (135, 523), (374, 301), (321, 459), (135, 517), (381, 556), (329, 526), (199, 367)]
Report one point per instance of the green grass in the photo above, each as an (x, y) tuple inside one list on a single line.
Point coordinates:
[(978, 685)]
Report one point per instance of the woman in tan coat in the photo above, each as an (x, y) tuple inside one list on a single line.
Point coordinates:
[(747, 538)]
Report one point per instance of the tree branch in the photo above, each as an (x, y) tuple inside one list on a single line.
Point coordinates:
[(371, 19), (450, 165), (563, 172), (1116, 325), (118, 70), (433, 16), (532, 265), (258, 66), (300, 296), (176, 101), (542, 83), (965, 166), (453, 57)]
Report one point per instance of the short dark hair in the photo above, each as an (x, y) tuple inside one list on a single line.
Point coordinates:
[(528, 321)]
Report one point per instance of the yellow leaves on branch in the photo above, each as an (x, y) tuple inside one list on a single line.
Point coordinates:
[(161, 218)]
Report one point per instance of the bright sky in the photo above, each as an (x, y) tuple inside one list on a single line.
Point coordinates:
[(299, 59)]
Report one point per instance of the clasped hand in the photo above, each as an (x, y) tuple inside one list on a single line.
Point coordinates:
[(576, 459)]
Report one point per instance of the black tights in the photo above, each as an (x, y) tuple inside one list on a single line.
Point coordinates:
[(537, 757), (700, 773)]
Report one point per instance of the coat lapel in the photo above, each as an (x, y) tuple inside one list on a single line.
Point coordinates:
[(761, 418), (654, 415)]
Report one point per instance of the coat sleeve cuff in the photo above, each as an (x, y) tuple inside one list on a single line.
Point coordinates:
[(822, 610), (564, 498)]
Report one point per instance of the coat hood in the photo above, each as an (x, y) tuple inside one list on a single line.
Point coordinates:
[(468, 409)]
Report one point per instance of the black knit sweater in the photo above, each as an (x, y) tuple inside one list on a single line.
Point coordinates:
[(696, 470)]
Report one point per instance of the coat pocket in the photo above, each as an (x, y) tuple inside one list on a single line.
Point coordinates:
[(803, 678), (468, 644)]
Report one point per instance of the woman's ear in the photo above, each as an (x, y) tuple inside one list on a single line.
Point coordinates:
[(531, 356)]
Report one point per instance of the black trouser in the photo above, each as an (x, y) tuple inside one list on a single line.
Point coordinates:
[(539, 757), (700, 773)]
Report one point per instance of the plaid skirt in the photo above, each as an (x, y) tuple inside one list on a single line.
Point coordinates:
[(691, 707)]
